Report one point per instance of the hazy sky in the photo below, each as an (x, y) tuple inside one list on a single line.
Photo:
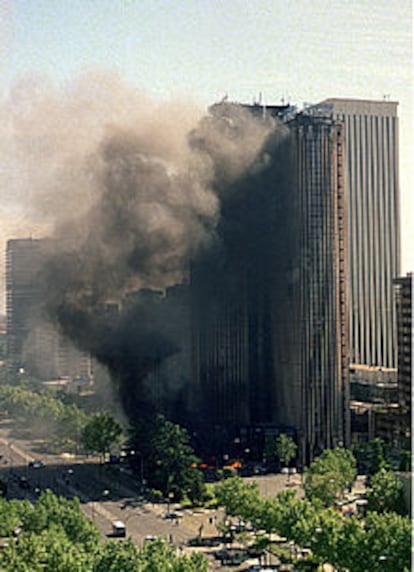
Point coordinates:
[(298, 50)]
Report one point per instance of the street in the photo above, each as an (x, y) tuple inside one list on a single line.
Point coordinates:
[(106, 494)]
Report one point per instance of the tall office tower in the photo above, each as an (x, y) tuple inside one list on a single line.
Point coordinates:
[(309, 302), (405, 334), (32, 341), (24, 257), (372, 195), (270, 320)]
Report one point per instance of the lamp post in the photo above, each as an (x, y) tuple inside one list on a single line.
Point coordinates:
[(169, 498)]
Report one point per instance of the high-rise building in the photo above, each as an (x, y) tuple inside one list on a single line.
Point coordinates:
[(405, 334), (373, 228), (24, 257), (33, 342), (309, 317), (270, 334)]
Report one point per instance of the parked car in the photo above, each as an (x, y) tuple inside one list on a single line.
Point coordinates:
[(36, 464), (172, 515)]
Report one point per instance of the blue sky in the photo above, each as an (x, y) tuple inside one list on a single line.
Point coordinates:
[(299, 50), (305, 49)]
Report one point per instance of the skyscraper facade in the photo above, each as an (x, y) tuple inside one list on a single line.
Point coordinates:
[(33, 343), (310, 349), (270, 332), (373, 228), (405, 334), (24, 257)]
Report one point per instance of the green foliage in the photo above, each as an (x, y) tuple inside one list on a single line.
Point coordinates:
[(329, 475), (117, 556), (158, 556), (387, 535), (405, 462), (155, 556), (71, 424), (48, 551), (285, 448), (45, 414), (325, 536), (51, 511), (57, 537), (237, 497), (378, 456), (381, 542), (386, 493), (11, 513), (101, 433), (172, 462)]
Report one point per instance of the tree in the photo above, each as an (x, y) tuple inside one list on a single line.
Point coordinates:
[(11, 513), (55, 535), (285, 448), (52, 511), (71, 424), (101, 433), (47, 551), (172, 463), (238, 497), (378, 456), (329, 475), (117, 556), (386, 544), (386, 493), (158, 556)]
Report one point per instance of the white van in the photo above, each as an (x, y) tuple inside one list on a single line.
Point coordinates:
[(118, 528)]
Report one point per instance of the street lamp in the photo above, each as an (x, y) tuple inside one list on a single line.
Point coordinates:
[(169, 497)]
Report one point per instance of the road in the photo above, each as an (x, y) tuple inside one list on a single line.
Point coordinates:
[(106, 494)]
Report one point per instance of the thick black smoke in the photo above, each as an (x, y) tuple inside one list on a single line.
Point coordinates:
[(152, 212)]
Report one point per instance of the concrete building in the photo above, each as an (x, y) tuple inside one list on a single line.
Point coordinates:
[(404, 307), (373, 228), (33, 342), (373, 384), (270, 327), (23, 260), (310, 352)]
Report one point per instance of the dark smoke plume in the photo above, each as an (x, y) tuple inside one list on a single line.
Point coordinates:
[(151, 209)]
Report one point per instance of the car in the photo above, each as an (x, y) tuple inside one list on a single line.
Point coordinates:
[(23, 482), (172, 515), (36, 464)]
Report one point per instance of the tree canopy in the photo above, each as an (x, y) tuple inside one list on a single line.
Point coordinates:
[(385, 493), (101, 433), (172, 464), (55, 536), (330, 475), (285, 448), (379, 542)]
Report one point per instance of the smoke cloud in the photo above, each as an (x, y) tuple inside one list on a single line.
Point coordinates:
[(133, 191)]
